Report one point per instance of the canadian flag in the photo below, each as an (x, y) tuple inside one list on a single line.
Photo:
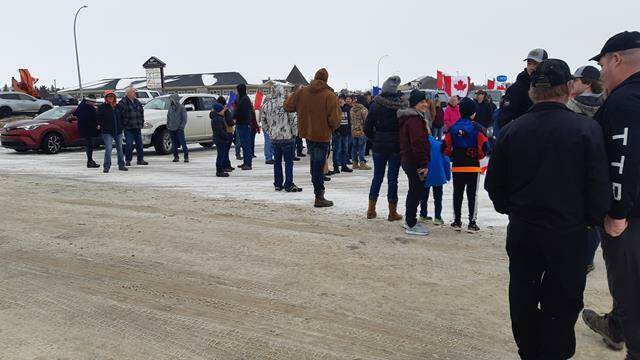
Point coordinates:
[(440, 80), (457, 85), (491, 84)]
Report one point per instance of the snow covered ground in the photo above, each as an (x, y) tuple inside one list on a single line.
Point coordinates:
[(348, 191)]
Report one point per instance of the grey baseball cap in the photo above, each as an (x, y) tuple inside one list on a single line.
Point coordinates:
[(537, 55)]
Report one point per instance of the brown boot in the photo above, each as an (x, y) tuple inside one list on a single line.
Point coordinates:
[(355, 166), (393, 213), (322, 202), (371, 211)]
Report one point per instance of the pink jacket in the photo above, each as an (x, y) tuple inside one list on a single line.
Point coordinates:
[(451, 115)]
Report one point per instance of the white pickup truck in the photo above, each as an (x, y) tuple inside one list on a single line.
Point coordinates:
[(198, 129)]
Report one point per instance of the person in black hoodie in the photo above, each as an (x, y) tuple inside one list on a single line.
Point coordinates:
[(110, 122), (222, 138), (87, 127), (516, 101), (551, 192), (618, 116), (484, 109), (242, 116), (383, 129)]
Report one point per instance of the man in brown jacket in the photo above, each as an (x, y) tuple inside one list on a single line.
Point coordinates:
[(318, 117)]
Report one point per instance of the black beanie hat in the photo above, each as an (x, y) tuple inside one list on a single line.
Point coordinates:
[(467, 107), (416, 97)]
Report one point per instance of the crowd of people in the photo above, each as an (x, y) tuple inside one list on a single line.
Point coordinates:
[(564, 166)]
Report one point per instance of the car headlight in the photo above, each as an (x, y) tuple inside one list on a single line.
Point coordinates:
[(147, 125), (32, 127)]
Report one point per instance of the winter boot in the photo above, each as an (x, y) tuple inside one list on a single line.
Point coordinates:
[(186, 159), (371, 211), (364, 166), (321, 201), (176, 159), (355, 166), (346, 169), (604, 326), (393, 212)]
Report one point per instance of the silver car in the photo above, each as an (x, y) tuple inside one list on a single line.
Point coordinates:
[(14, 103)]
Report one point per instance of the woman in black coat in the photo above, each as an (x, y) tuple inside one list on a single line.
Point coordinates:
[(87, 127)]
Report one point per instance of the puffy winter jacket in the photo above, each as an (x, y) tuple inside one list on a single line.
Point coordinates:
[(414, 144), (381, 126)]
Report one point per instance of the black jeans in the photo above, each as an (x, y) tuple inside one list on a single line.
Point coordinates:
[(88, 148), (437, 201), (470, 182), (131, 135), (547, 271), (622, 257), (299, 145), (222, 156), (414, 195), (318, 155), (283, 151)]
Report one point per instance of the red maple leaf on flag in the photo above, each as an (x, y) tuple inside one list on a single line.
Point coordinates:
[(460, 85)]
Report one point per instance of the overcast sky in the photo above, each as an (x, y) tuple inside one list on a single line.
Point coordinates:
[(263, 39)]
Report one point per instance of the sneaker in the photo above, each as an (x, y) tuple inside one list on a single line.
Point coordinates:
[(92, 165), (346, 169), (176, 159), (123, 168), (438, 222), (222, 174), (418, 230), (601, 324), (293, 188), (246, 168), (473, 227), (279, 188), (270, 162), (128, 163), (424, 218), (142, 162), (457, 225)]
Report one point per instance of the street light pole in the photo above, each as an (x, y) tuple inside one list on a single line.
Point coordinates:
[(379, 60), (75, 40)]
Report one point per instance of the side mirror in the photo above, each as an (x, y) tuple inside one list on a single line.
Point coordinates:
[(189, 107)]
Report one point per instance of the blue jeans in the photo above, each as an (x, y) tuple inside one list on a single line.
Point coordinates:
[(284, 151), (238, 144), (177, 139), (357, 149), (380, 162), (131, 135), (244, 132), (317, 152), (438, 133), (108, 147), (222, 156), (268, 147), (437, 200), (340, 147)]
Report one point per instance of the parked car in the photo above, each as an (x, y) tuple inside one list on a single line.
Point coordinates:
[(62, 100), (198, 128), (144, 96), (431, 94), (50, 132), (15, 103)]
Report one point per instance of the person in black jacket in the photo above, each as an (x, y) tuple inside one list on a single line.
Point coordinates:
[(620, 62), (110, 123), (383, 129), (87, 127), (242, 116), (484, 109), (229, 122), (221, 138), (551, 190), (516, 100)]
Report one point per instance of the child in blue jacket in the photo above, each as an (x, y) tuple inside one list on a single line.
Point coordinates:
[(439, 174)]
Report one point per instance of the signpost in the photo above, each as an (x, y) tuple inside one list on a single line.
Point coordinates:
[(501, 78), (154, 68)]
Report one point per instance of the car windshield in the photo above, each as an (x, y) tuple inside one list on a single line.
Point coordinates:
[(53, 114), (161, 103)]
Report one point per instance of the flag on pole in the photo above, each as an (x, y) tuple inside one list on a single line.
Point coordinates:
[(457, 85), (440, 80), (491, 84), (258, 102)]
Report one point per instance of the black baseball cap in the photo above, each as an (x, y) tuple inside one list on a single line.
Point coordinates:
[(550, 73), (623, 41), (588, 72)]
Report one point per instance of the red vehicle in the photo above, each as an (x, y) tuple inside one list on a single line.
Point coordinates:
[(50, 132)]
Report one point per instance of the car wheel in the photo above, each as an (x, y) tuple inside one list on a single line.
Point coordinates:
[(162, 142), (206, 145), (5, 112), (52, 143), (44, 108)]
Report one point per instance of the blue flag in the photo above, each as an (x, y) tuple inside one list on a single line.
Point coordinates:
[(376, 91), (232, 98)]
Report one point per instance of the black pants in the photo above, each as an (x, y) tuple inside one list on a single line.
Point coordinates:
[(414, 195), (437, 201), (622, 257), (88, 148), (547, 271), (470, 182), (299, 145)]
